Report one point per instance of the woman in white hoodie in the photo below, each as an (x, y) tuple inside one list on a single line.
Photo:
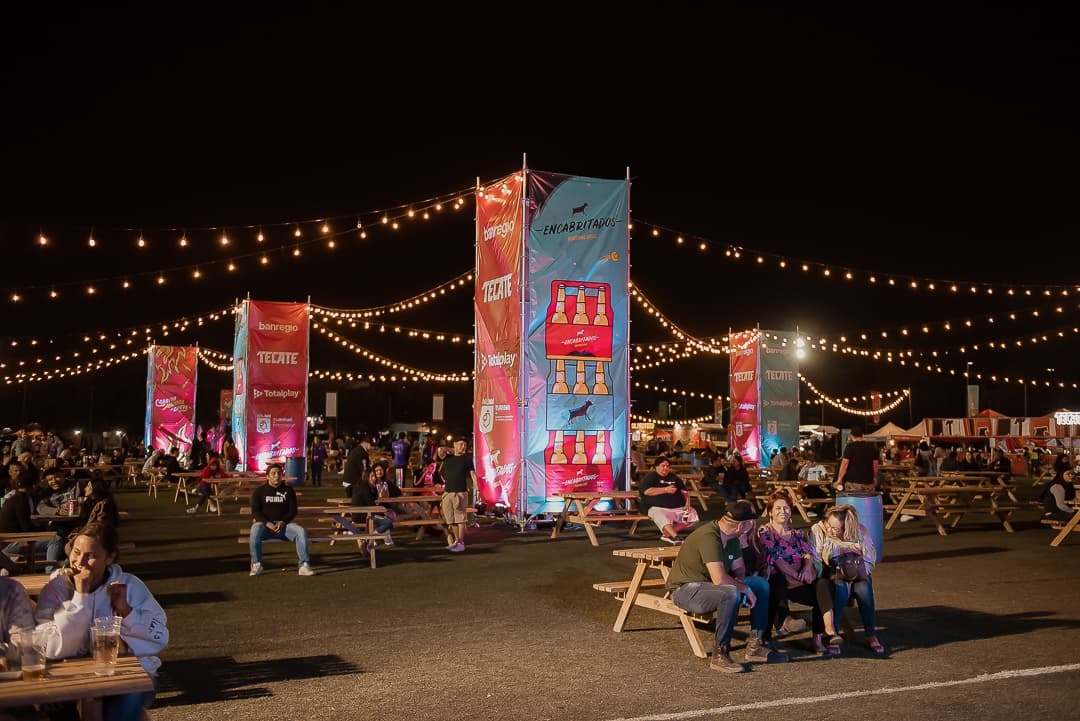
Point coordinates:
[(93, 586)]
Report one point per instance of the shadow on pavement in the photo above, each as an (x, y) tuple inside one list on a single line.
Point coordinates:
[(931, 626), (944, 553)]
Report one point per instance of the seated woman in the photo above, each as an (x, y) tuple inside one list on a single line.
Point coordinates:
[(96, 586), (1056, 496), (790, 570), (367, 493), (839, 532), (213, 470)]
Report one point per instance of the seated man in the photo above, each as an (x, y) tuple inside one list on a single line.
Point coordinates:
[(665, 500), (709, 575), (273, 505)]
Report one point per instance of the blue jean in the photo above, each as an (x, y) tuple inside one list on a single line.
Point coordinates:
[(703, 597), (53, 548), (128, 706), (292, 532), (759, 614), (864, 596), (382, 525)]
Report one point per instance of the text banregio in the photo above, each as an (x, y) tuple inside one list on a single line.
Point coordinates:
[(579, 225)]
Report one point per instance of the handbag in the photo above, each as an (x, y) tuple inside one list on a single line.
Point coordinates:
[(849, 567)]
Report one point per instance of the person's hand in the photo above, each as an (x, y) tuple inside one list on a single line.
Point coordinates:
[(751, 599), (118, 598), (672, 489), (80, 578)]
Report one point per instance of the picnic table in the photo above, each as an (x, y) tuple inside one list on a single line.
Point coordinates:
[(74, 679), (342, 528), (228, 486), (804, 504), (939, 498), (27, 539), (34, 583), (580, 507), (632, 592)]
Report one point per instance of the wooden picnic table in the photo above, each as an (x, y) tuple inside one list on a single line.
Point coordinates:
[(926, 497), (74, 679), (34, 583), (27, 539), (631, 592), (345, 529), (580, 507), (236, 483), (804, 504)]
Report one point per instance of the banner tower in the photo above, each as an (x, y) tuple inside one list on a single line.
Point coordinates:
[(764, 382), (171, 379)]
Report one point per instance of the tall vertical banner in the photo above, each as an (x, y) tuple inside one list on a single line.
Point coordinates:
[(497, 312), (171, 377), (577, 420), (271, 374), (779, 391), (744, 429)]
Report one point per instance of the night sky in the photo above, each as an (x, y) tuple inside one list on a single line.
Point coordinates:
[(941, 148)]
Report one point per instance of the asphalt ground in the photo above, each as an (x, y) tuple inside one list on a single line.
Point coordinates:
[(979, 624)]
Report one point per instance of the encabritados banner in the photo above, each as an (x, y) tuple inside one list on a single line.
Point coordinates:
[(270, 388), (171, 377)]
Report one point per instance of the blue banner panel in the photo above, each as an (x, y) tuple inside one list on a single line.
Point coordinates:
[(779, 382)]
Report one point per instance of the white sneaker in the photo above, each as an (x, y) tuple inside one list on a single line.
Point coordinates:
[(212, 508), (193, 509), (904, 518), (305, 570), (457, 547), (256, 569), (389, 540)]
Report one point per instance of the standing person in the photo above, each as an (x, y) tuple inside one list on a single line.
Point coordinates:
[(859, 466), (318, 457), (427, 453), (95, 586), (665, 499), (356, 467), (399, 451), (230, 453), (709, 574), (457, 471), (273, 505)]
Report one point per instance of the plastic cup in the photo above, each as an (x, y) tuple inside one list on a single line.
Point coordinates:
[(31, 654), (106, 636)]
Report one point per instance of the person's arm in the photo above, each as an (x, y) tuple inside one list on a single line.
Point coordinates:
[(144, 627), (1058, 492), (843, 472), (256, 505), (721, 577)]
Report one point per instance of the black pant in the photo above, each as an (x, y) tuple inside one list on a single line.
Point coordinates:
[(806, 594)]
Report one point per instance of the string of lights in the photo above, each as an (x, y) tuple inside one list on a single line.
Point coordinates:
[(829, 271), (637, 294), (674, 391), (351, 377), (841, 406), (216, 359), (639, 418), (392, 364), (75, 370), (176, 324), (343, 315)]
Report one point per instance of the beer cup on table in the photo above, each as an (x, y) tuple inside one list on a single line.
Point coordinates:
[(106, 637), (31, 644)]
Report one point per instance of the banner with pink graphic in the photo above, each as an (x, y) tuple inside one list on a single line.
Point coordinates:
[(497, 311), (171, 377), (271, 400), (744, 431)]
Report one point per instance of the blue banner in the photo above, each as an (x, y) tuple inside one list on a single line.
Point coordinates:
[(240, 381), (779, 383)]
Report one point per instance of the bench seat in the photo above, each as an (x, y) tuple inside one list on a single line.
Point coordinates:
[(366, 542)]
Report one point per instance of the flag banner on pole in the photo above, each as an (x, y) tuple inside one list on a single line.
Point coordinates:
[(171, 377), (239, 390), (274, 380), (577, 420), (744, 432), (779, 391), (497, 313)]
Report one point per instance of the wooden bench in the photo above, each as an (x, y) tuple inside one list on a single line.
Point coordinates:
[(366, 542)]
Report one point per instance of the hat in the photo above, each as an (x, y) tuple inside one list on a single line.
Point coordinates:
[(740, 511)]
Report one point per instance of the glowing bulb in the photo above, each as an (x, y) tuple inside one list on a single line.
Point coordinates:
[(91, 242), (196, 274), (231, 267), (161, 280), (224, 239), (53, 294), (42, 240), (297, 232), (126, 284), (325, 228), (331, 243), (15, 297), (296, 252), (90, 290), (141, 242), (260, 237), (183, 241), (264, 260)]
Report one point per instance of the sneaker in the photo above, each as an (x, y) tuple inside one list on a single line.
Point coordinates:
[(457, 547), (904, 518), (791, 625), (757, 651), (389, 541), (256, 569), (305, 570), (193, 509), (673, 540), (474, 524), (212, 507), (722, 661)]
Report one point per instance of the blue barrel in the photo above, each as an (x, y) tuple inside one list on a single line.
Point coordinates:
[(869, 507), (294, 468)]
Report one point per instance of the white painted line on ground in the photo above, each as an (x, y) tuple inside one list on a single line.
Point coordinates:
[(799, 701)]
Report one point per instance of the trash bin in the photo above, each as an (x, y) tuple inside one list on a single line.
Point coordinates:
[(869, 507), (295, 469)]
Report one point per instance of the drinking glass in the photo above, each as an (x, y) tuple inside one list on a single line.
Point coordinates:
[(106, 635), (31, 644)]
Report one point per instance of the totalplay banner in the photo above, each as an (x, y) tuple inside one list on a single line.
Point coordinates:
[(171, 376), (779, 391), (270, 393), (744, 432), (497, 312), (577, 421)]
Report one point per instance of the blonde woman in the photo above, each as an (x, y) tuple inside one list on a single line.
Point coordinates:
[(838, 532)]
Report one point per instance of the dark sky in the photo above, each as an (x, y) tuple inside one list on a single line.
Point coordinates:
[(936, 147)]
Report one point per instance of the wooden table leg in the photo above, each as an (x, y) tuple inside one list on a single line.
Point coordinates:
[(1066, 530), (899, 507), (583, 512), (561, 520), (631, 594)]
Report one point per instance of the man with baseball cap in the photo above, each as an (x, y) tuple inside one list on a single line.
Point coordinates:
[(709, 575)]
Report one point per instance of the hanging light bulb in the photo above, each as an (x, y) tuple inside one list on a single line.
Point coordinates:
[(141, 242), (260, 237), (297, 232)]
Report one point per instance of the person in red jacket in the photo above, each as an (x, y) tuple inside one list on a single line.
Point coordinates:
[(213, 469)]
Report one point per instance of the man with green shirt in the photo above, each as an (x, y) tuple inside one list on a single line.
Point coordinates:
[(709, 575)]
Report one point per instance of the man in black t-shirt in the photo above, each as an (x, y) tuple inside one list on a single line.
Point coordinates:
[(665, 499), (858, 469), (457, 472)]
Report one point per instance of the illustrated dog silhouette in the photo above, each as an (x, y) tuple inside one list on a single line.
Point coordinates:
[(580, 209), (581, 411)]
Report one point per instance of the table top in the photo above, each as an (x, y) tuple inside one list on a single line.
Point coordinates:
[(409, 499), (74, 679), (591, 495), (662, 553), (338, 510)]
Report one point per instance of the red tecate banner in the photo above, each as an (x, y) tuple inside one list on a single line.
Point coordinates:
[(497, 312), (277, 374), (744, 431), (171, 377)]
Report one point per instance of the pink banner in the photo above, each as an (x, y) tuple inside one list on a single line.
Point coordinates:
[(497, 306), (170, 403), (744, 430), (277, 374)]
